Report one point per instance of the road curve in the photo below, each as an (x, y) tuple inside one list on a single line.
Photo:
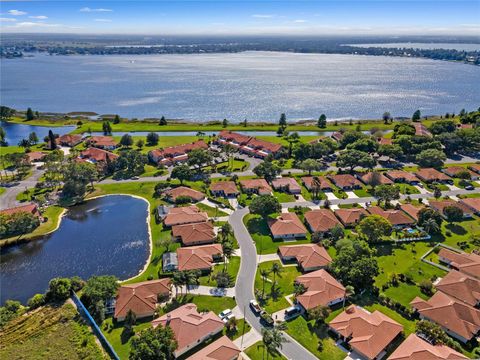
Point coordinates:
[(245, 284)]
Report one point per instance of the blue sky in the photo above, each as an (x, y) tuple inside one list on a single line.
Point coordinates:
[(386, 17)]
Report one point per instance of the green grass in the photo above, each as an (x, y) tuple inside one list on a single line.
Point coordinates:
[(232, 268), (211, 211), (258, 351), (242, 328), (260, 233), (50, 332), (407, 189), (283, 197), (363, 192), (309, 336), (285, 282), (2, 190)]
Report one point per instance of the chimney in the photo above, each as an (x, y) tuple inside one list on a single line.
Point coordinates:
[(168, 319)]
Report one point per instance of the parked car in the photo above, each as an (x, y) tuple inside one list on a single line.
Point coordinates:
[(228, 317), (469, 187), (266, 318), (292, 312), (255, 307), (225, 313), (135, 177)]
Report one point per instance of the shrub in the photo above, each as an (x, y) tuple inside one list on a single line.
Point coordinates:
[(36, 301)]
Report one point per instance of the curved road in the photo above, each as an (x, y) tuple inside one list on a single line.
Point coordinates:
[(245, 283)]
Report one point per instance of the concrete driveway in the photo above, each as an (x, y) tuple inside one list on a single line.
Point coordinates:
[(331, 196), (351, 195)]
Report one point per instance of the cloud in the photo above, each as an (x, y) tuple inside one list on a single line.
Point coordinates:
[(30, 24), (263, 16), (16, 12), (7, 19), (87, 9), (103, 20), (39, 17), (300, 21)]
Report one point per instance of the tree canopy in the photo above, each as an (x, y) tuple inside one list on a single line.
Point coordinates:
[(265, 205)]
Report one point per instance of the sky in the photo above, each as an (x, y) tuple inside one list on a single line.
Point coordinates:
[(274, 17)]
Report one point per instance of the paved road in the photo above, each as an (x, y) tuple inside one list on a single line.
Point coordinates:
[(9, 197), (245, 283)]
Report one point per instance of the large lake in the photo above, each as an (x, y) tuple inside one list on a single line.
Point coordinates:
[(252, 85), (104, 236)]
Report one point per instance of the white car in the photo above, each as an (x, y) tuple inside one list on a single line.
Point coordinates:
[(228, 317), (225, 313)]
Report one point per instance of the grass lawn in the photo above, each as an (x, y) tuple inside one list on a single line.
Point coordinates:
[(283, 197), (258, 351), (212, 212), (50, 332), (363, 192), (232, 268), (260, 232), (309, 336), (407, 189), (284, 287), (242, 328), (2, 190)]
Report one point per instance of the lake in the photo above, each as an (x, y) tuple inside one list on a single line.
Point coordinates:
[(16, 132), (252, 85), (104, 236), (425, 46)]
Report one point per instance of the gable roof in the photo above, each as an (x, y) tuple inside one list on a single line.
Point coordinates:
[(322, 288), (70, 139), (193, 233), (431, 174), (228, 187), (324, 183), (411, 210), (286, 224), (183, 191), (472, 203), (421, 130), (395, 217), (440, 205), (454, 170), (381, 179), (188, 325), (307, 255), (401, 175), (415, 348), (254, 184), (197, 257), (101, 141), (185, 215), (36, 156), (344, 180), (141, 297), (370, 332), (464, 262), (321, 220), (221, 349), (28, 208), (461, 287), (97, 155), (288, 182), (350, 216)]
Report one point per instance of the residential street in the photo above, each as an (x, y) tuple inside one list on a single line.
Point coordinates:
[(9, 197)]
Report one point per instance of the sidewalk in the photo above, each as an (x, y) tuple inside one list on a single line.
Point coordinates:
[(205, 290)]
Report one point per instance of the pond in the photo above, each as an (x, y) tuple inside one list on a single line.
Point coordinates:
[(103, 236), (16, 132)]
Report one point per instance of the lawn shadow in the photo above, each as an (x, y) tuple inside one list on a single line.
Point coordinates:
[(456, 229)]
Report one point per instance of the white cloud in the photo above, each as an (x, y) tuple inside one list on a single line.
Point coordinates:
[(30, 24), (87, 9), (7, 19), (39, 17), (103, 20), (300, 21), (16, 12), (263, 16)]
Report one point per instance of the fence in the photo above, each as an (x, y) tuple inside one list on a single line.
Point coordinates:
[(95, 327)]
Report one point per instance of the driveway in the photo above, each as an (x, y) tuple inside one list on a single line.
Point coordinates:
[(452, 187), (351, 195), (331, 196), (422, 189)]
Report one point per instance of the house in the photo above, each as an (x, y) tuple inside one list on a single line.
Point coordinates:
[(141, 298), (396, 217), (350, 217), (310, 181), (224, 189), (453, 171), (464, 126), (175, 154), (36, 156), (345, 181), (458, 319), (467, 263), (475, 168), (430, 175), (184, 215), (321, 221), (256, 186), (417, 348), (421, 130), (368, 334), (375, 178), (411, 210), (461, 287), (337, 136), (287, 184), (287, 226), (472, 203), (190, 327), (221, 349), (247, 144), (169, 261), (194, 234), (183, 192), (385, 141), (440, 206), (95, 156), (401, 176), (69, 140), (102, 142), (321, 289), (199, 257), (309, 257), (28, 208)]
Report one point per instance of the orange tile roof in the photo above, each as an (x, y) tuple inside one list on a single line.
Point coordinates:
[(440, 205), (233, 136), (36, 156), (454, 170), (449, 313), (197, 257), (411, 210), (322, 288), (381, 179), (415, 348), (431, 174), (401, 175), (183, 191), (461, 287), (185, 215), (307, 255), (254, 184), (228, 187), (190, 326), (464, 262), (249, 141), (321, 220), (98, 155), (475, 168), (141, 297), (169, 153), (472, 203), (395, 217), (344, 180), (370, 332), (421, 130), (106, 141), (264, 145), (286, 224), (70, 139), (288, 182), (190, 234), (324, 183), (28, 208), (350, 216), (221, 349)]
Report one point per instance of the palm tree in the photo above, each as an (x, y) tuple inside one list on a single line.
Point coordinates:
[(177, 280), (349, 291), (225, 232), (292, 138), (276, 270), (431, 226), (264, 274), (228, 251), (229, 150), (298, 288), (273, 339), (316, 187)]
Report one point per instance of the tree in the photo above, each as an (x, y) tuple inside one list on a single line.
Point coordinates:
[(416, 116), (437, 193), (426, 214), (273, 339), (337, 233), (33, 138), (126, 140), (130, 321), (116, 120), (387, 193), (6, 112), (36, 301), (77, 176), (24, 143), (464, 175), (267, 170), (453, 213), (224, 123), (353, 158), (182, 172), (390, 150), (265, 205), (29, 115), (163, 121), (374, 228), (292, 138), (431, 226), (130, 163), (17, 224), (283, 122), (52, 141), (264, 275), (432, 331), (443, 126), (199, 157), (366, 144), (58, 289), (298, 288), (228, 251), (386, 117), (319, 314), (152, 139), (222, 278), (349, 291), (322, 121), (154, 344), (107, 128), (431, 158), (140, 143), (3, 136), (276, 269), (309, 165)]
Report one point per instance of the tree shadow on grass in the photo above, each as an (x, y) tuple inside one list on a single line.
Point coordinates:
[(258, 225), (456, 229)]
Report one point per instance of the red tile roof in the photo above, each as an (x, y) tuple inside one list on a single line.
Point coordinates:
[(191, 234), (460, 286), (464, 262), (228, 187), (401, 175), (431, 174), (370, 333), (380, 178), (287, 182), (189, 326), (221, 349), (344, 180), (97, 155), (395, 217), (185, 215), (176, 153), (351, 216), (321, 289), (385, 141), (415, 348), (101, 141), (70, 139), (197, 257), (286, 224), (321, 220), (475, 168), (248, 143), (256, 184), (34, 156), (324, 183), (28, 208), (235, 137), (308, 256), (141, 298), (472, 203), (440, 205), (411, 210), (183, 191), (454, 170)]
